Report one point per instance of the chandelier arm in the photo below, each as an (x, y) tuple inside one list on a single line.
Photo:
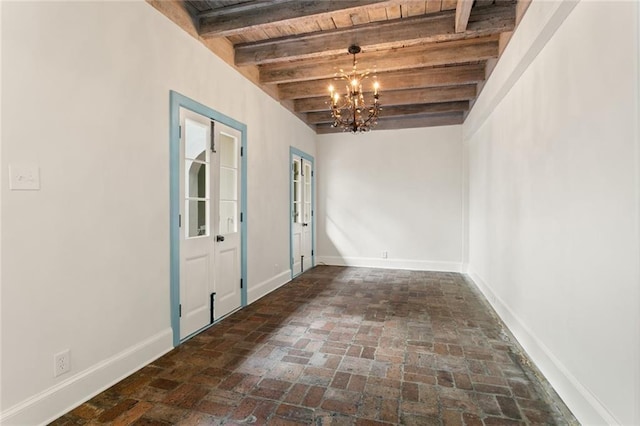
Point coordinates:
[(372, 115)]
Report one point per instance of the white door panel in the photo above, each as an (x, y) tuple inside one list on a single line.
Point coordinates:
[(195, 295), (210, 193), (297, 252), (228, 296), (301, 214), (307, 218), (196, 238)]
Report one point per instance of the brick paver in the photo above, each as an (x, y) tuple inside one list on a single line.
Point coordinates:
[(352, 346)]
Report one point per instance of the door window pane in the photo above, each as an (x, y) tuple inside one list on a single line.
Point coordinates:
[(195, 146), (296, 192), (228, 198), (307, 193), (196, 179), (228, 184), (228, 151), (196, 212), (228, 214)]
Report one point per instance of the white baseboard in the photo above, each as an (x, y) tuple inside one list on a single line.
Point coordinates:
[(255, 292), (52, 403), (410, 264), (584, 405)]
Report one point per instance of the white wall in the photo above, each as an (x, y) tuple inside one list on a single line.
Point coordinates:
[(85, 260), (395, 191), (552, 152)]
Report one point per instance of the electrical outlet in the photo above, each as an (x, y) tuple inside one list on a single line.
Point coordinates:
[(61, 363), (385, 254), (24, 177)]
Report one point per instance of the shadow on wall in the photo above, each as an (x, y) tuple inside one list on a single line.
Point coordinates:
[(341, 240)]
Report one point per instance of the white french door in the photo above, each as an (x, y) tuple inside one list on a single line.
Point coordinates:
[(301, 214), (209, 221), (228, 244)]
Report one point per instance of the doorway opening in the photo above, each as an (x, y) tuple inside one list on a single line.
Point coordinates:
[(207, 216), (302, 211)]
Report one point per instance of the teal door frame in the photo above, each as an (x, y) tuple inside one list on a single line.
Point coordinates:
[(177, 101), (295, 151)]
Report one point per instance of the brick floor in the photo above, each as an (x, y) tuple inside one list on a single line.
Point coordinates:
[(340, 346)]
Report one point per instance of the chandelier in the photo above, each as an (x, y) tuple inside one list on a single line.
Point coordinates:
[(349, 111)]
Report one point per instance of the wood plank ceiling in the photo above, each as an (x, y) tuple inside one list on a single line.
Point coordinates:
[(430, 57)]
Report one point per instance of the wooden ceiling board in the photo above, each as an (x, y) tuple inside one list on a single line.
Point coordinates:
[(378, 14), (448, 4), (273, 14), (398, 97), (393, 11), (433, 6), (451, 52), (404, 79), (399, 111), (413, 8), (386, 35), (395, 123), (431, 57)]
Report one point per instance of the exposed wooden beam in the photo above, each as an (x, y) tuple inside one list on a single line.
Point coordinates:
[(463, 12), (176, 11), (379, 35), (266, 14), (404, 123), (430, 68), (397, 111), (521, 8), (394, 80), (398, 97), (450, 52)]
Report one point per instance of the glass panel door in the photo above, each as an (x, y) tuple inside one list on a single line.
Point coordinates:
[(196, 180), (307, 193), (229, 181), (297, 188)]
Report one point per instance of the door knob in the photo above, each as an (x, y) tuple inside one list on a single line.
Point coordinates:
[(305, 224), (219, 238)]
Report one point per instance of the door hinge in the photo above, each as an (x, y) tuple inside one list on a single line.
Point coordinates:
[(241, 283), (241, 217), (180, 131), (242, 151), (212, 296), (180, 310), (311, 213), (179, 221), (311, 252), (213, 135), (311, 173)]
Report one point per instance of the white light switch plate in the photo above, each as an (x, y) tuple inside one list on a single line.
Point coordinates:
[(24, 177)]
